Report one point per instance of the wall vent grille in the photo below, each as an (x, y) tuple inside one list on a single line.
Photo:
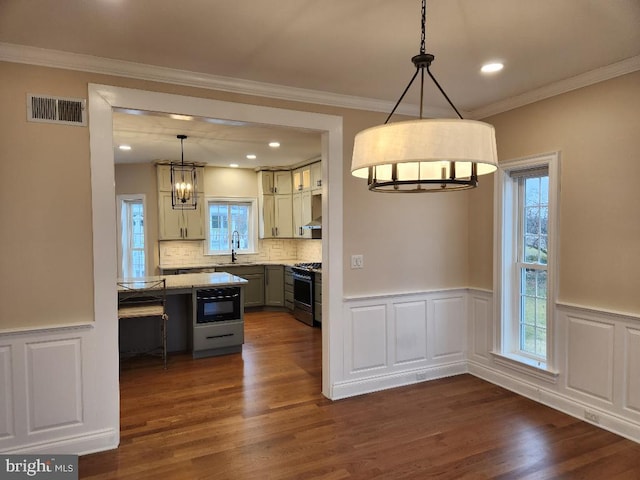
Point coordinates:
[(65, 111)]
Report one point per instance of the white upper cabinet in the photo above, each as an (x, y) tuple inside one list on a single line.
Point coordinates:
[(316, 176), (302, 179)]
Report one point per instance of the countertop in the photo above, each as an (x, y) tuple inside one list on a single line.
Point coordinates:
[(192, 280), (222, 266)]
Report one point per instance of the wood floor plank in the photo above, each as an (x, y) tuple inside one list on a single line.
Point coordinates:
[(260, 414)]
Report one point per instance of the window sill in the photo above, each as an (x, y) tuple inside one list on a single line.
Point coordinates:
[(528, 366), (228, 254)]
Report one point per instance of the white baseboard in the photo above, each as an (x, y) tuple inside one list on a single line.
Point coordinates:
[(351, 388), (83, 444), (570, 406)]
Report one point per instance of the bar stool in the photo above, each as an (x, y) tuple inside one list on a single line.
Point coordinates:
[(145, 299)]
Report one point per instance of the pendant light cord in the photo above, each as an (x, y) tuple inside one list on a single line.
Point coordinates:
[(421, 61)]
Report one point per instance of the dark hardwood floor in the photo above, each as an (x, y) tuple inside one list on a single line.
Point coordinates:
[(260, 415)]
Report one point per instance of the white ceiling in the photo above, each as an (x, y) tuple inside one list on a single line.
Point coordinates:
[(356, 48)]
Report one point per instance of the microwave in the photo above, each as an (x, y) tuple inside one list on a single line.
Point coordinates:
[(218, 305)]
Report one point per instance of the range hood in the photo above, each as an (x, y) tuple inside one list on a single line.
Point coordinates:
[(315, 224)]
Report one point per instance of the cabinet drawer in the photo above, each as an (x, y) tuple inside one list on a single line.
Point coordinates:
[(206, 337)]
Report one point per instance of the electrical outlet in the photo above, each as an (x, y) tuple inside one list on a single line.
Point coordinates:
[(357, 261), (591, 416)]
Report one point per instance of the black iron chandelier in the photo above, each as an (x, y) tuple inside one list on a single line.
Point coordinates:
[(184, 181)]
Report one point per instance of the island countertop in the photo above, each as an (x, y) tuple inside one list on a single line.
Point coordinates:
[(188, 281)]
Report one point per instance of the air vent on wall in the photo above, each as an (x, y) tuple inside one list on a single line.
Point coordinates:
[(65, 111)]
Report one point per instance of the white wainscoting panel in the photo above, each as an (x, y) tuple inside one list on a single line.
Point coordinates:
[(449, 336), (368, 338), (395, 340), (410, 331), (6, 392), (590, 357), (54, 383), (632, 369), (481, 309)]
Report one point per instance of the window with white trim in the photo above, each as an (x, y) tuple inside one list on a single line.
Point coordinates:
[(526, 212), (131, 213), (226, 216)]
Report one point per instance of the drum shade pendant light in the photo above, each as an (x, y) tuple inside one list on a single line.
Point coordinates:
[(424, 155), (183, 183)]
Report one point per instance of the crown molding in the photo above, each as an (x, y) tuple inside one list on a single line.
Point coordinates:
[(598, 75), (88, 63)]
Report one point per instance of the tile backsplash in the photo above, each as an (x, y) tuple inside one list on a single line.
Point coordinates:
[(179, 254)]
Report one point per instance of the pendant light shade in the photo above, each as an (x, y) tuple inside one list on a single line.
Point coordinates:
[(424, 155), (184, 181)]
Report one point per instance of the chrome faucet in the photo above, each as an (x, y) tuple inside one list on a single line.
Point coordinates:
[(235, 243)]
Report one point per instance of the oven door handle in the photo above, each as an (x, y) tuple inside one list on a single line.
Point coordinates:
[(220, 297)]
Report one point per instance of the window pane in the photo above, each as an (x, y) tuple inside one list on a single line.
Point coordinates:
[(132, 241), (529, 283), (541, 290), (541, 342), (218, 231), (532, 220), (532, 188), (225, 219)]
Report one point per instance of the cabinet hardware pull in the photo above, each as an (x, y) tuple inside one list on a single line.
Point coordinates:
[(220, 336), (186, 233)]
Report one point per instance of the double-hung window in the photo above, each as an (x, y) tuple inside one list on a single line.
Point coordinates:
[(231, 220), (526, 231), (131, 213)]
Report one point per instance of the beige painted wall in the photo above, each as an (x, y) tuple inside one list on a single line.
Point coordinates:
[(597, 131), (141, 178)]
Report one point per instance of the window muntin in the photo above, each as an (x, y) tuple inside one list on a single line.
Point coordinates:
[(132, 233), (223, 218)]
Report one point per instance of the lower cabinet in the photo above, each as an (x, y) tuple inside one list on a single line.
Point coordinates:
[(218, 338), (274, 285), (288, 288), (254, 290)]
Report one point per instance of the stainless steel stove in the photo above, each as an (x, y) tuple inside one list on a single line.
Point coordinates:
[(303, 291)]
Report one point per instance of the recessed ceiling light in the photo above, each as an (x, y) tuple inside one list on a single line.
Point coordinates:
[(274, 144), (234, 165), (251, 156), (176, 116), (492, 67), (125, 147)]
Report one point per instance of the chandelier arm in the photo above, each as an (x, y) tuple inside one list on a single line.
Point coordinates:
[(443, 92), (402, 96)]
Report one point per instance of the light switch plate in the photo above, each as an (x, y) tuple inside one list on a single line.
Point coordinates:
[(357, 261)]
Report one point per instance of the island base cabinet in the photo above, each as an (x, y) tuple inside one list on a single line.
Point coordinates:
[(218, 339)]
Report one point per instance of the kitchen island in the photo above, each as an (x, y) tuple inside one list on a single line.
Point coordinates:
[(206, 315)]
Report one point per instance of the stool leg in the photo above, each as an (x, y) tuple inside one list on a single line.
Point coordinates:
[(164, 339)]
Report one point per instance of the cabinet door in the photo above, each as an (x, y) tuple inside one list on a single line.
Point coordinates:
[(302, 179), (193, 221), (267, 210), (274, 285), (301, 214), (169, 220), (164, 178), (316, 176), (254, 290), (282, 182), (283, 216), (265, 183)]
